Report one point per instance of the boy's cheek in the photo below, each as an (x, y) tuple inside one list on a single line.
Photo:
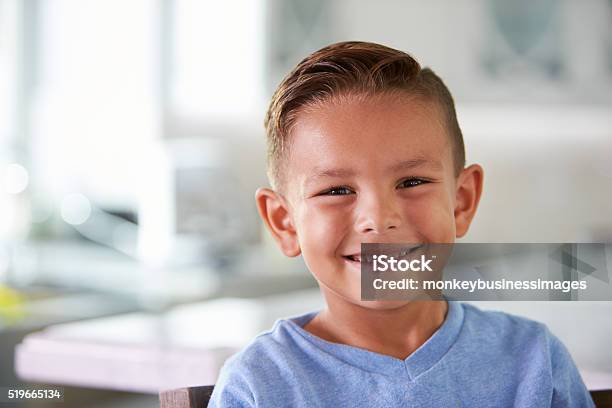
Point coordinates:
[(326, 216), (433, 220), (321, 235), (320, 231)]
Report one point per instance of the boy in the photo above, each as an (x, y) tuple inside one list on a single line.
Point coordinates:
[(364, 147)]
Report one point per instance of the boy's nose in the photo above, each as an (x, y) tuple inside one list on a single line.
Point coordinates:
[(378, 216)]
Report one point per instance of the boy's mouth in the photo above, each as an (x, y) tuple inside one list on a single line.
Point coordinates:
[(404, 253)]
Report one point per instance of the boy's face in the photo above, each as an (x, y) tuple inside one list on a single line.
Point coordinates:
[(367, 170)]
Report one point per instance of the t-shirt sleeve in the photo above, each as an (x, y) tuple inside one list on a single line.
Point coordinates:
[(568, 388), (232, 389)]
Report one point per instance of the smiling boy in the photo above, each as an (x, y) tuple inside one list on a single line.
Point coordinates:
[(364, 147)]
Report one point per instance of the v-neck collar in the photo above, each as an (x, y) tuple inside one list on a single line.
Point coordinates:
[(421, 360)]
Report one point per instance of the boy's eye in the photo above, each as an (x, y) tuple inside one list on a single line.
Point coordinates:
[(411, 182), (337, 191)]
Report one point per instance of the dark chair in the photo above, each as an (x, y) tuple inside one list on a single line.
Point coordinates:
[(602, 398), (197, 397)]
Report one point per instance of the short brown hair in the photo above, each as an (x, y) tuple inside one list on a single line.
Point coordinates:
[(345, 68)]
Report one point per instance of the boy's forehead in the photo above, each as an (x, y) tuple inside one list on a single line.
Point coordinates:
[(394, 134)]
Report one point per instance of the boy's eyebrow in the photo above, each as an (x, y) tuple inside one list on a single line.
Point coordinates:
[(416, 162), (329, 173)]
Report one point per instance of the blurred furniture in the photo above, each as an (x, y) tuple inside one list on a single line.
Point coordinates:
[(192, 397), (45, 306), (189, 397), (149, 352)]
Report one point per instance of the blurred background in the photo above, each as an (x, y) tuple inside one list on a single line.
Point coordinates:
[(132, 141)]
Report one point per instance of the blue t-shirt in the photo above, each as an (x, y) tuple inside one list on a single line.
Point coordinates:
[(475, 359)]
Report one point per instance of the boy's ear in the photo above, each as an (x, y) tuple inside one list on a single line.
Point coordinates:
[(274, 210), (469, 189)]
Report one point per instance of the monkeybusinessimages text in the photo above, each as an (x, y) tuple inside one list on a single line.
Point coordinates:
[(385, 263)]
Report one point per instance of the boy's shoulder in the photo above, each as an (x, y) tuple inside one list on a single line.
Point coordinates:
[(273, 345), (533, 349), (263, 364), (495, 336)]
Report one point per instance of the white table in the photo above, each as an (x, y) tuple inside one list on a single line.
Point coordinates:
[(147, 353)]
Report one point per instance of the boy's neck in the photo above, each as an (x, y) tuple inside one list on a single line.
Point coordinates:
[(397, 332)]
